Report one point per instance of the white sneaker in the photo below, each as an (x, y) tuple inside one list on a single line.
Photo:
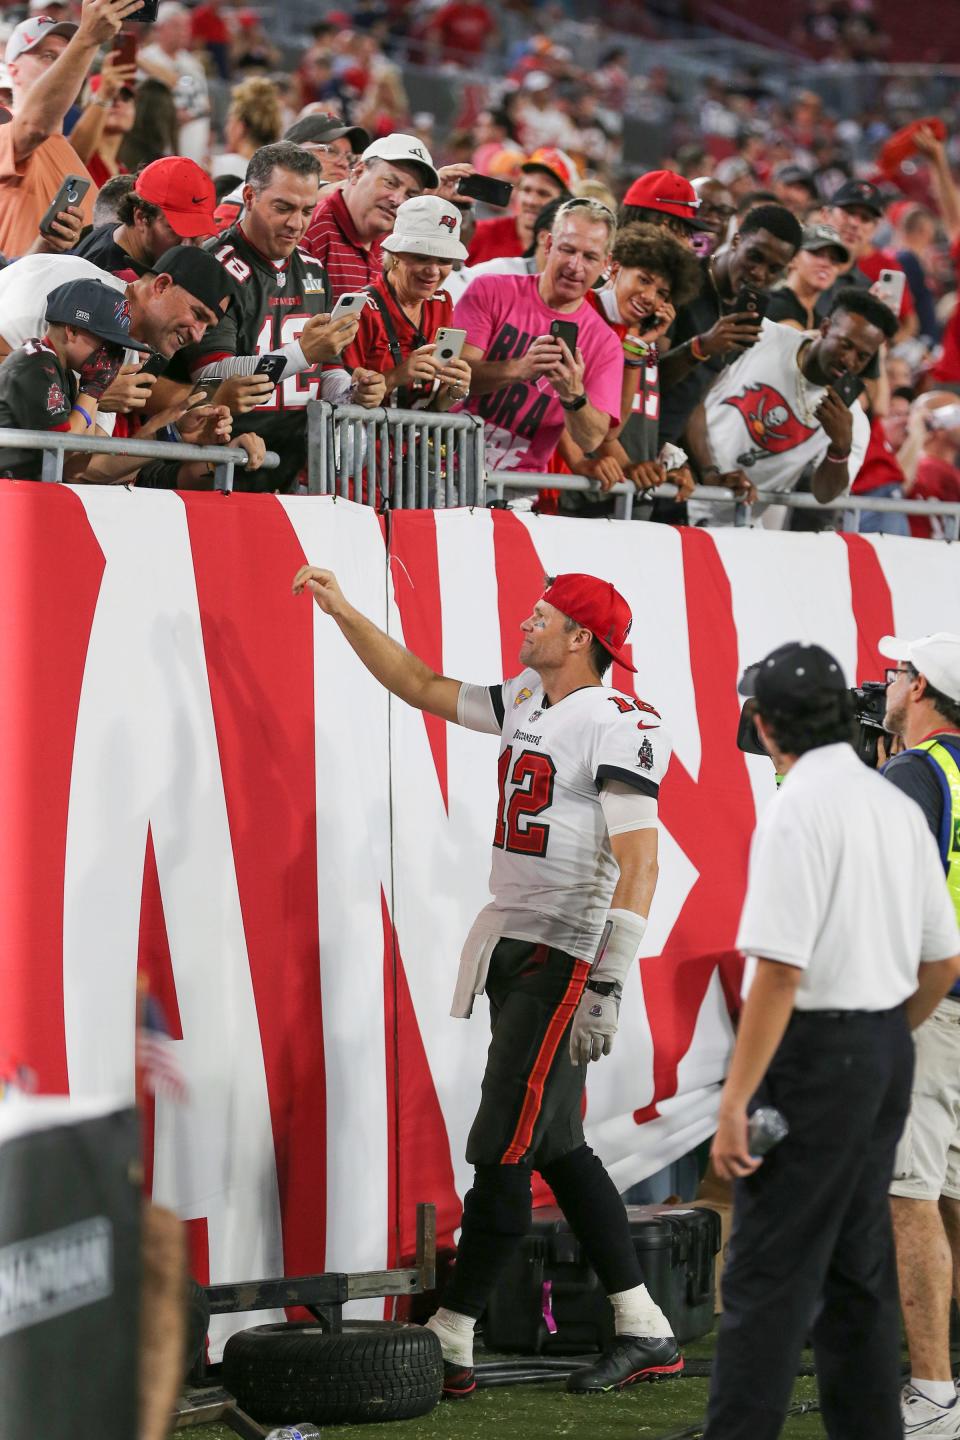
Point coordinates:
[(925, 1417)]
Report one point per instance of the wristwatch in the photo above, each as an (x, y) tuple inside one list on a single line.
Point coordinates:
[(575, 404)]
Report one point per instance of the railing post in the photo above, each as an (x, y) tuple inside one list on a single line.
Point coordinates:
[(52, 466), (223, 477)]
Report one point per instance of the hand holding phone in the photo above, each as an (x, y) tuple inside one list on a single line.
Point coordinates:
[(486, 189), (72, 190), (753, 301), (848, 386)]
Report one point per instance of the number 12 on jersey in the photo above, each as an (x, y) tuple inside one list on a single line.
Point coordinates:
[(532, 775)]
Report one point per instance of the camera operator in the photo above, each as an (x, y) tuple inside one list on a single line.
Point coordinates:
[(923, 707), (850, 940)]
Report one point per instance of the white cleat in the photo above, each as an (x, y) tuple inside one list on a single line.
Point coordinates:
[(925, 1418)]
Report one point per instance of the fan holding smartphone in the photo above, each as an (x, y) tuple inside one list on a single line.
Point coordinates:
[(406, 329), (791, 401)]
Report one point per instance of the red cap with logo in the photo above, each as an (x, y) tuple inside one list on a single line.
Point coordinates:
[(183, 192), (556, 162), (667, 191), (596, 605)]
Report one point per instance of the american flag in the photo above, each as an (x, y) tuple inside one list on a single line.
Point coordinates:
[(157, 1063)]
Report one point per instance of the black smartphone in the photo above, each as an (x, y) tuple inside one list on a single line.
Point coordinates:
[(756, 301), (154, 365), (486, 189), (567, 331), (848, 386), (71, 192), (271, 365), (147, 13)]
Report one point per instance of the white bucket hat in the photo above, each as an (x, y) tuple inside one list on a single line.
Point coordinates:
[(427, 225)]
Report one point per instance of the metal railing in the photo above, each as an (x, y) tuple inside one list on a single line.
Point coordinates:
[(401, 459), (55, 444), (628, 497)]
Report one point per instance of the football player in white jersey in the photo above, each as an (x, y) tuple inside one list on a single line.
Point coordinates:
[(573, 875)]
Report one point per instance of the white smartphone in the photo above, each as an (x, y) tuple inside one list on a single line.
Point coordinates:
[(890, 287), (449, 344), (349, 304)]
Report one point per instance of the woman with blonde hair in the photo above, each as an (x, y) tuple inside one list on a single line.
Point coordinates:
[(253, 120)]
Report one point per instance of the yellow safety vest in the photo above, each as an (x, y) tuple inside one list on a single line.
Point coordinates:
[(950, 827)]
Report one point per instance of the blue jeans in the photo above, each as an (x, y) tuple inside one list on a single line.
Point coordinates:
[(879, 522)]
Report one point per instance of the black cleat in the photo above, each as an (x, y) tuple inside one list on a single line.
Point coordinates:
[(459, 1381), (629, 1360)]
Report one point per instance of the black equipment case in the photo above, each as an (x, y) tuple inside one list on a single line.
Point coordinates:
[(549, 1301)]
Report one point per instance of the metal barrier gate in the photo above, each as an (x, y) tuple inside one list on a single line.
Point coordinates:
[(402, 459)]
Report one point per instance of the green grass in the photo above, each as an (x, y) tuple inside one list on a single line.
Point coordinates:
[(545, 1412)]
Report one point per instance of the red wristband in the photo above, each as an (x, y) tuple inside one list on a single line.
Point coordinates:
[(697, 350), (834, 459)]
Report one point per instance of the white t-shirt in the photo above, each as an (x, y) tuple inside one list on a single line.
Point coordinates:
[(553, 872), (846, 883), (24, 289), (458, 280), (760, 414)]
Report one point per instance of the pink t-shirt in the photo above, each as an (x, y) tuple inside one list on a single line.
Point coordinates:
[(503, 315)]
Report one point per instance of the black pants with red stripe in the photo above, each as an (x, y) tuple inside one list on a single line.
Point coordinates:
[(530, 1118)]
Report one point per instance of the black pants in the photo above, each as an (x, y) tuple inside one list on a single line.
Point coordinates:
[(529, 1118), (284, 431), (811, 1250)]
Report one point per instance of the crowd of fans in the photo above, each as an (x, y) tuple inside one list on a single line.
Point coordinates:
[(772, 306)]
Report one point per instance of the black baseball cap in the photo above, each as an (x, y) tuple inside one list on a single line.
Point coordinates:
[(796, 175), (858, 192), (197, 271), (320, 129), (93, 306), (797, 674)]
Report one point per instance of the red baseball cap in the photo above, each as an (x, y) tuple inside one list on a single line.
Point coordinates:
[(596, 605), (183, 192), (667, 191), (902, 144), (556, 163)]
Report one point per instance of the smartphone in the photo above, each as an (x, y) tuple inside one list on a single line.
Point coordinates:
[(449, 344), (349, 304), (154, 365), (71, 192), (147, 13), (206, 388), (890, 287), (125, 46), (848, 386), (271, 365), (486, 189), (567, 331), (755, 301)]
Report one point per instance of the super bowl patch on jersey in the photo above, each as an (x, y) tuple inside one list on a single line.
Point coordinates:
[(645, 756)]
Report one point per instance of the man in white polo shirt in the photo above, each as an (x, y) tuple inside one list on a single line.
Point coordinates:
[(851, 940)]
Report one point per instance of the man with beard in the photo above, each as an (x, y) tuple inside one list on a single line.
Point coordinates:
[(280, 305)]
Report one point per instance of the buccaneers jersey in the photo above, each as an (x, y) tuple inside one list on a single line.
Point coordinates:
[(273, 301), (553, 871)]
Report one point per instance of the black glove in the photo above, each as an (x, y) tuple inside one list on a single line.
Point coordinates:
[(100, 369)]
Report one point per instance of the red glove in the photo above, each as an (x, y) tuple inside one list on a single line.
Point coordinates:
[(100, 369)]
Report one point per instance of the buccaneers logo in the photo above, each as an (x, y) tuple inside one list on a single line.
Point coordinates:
[(769, 419), (449, 222)]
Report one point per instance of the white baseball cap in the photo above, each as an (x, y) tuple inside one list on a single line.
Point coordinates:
[(427, 225), (936, 657), (28, 34), (406, 150)]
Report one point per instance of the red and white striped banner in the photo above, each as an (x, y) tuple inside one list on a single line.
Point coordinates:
[(199, 780)]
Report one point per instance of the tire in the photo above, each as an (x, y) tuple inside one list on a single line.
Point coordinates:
[(373, 1370)]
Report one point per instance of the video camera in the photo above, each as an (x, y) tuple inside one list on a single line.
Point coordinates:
[(869, 705)]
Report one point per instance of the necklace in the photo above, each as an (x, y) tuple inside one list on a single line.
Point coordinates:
[(806, 401)]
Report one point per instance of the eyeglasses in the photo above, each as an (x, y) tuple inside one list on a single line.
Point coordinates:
[(891, 675)]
